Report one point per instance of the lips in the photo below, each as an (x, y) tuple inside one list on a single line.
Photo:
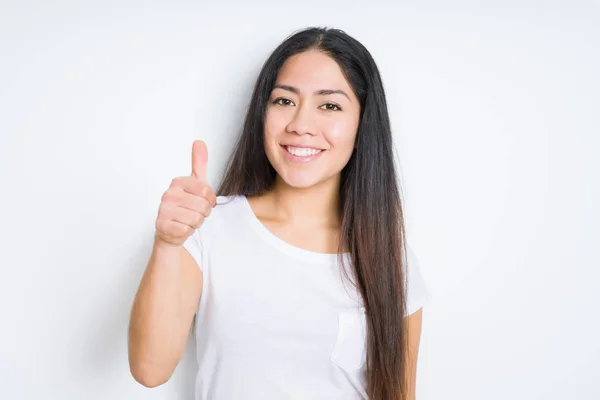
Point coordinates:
[(301, 146)]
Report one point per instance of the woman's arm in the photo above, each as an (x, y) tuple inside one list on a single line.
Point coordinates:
[(414, 324), (162, 314), (170, 290)]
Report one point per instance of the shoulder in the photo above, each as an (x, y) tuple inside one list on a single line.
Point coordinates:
[(412, 262), (227, 205), (227, 210), (228, 201), (224, 217), (416, 288)]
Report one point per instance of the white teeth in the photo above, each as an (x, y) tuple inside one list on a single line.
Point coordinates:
[(302, 151)]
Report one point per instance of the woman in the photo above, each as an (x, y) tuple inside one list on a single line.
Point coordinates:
[(297, 272)]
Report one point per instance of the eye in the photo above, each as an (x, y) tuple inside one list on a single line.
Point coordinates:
[(282, 101), (331, 107)]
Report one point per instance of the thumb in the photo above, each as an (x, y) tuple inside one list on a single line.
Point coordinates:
[(199, 160)]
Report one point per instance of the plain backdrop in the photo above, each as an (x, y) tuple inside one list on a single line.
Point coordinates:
[(495, 112)]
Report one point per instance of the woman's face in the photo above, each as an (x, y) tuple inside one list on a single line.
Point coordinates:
[(311, 120)]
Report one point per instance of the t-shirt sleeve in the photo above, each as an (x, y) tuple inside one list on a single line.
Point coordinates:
[(195, 246), (417, 293)]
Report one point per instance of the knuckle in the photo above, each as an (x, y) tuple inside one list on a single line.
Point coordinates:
[(178, 230), (178, 182), (205, 191), (198, 188), (167, 196), (171, 196), (164, 211), (186, 230), (198, 203), (160, 225), (206, 209)]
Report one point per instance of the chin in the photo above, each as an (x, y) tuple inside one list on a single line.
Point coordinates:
[(298, 180), (300, 183)]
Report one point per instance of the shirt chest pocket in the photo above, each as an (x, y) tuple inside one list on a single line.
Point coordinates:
[(349, 352)]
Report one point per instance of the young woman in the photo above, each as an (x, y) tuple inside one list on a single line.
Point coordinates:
[(296, 276)]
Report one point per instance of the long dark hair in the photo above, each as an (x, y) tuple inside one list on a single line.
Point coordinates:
[(372, 218)]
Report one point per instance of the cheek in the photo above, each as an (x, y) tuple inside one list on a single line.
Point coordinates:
[(273, 129), (341, 134), (275, 123)]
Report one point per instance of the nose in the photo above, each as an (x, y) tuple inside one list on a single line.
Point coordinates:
[(303, 122)]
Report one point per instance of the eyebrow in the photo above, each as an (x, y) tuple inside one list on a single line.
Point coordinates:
[(322, 92)]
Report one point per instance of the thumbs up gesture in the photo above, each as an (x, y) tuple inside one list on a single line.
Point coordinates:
[(187, 202)]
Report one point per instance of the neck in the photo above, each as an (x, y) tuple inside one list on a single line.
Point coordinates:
[(316, 204)]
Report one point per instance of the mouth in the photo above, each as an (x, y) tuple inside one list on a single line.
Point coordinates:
[(302, 154), (302, 151)]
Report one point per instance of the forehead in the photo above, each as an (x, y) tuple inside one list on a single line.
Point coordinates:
[(312, 70)]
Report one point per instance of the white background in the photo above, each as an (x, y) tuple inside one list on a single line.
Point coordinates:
[(495, 111)]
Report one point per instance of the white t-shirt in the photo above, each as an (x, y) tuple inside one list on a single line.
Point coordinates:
[(276, 321)]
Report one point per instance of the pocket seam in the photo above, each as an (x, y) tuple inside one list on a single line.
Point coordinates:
[(347, 320)]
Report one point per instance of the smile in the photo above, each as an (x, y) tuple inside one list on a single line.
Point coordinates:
[(302, 151), (302, 154)]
